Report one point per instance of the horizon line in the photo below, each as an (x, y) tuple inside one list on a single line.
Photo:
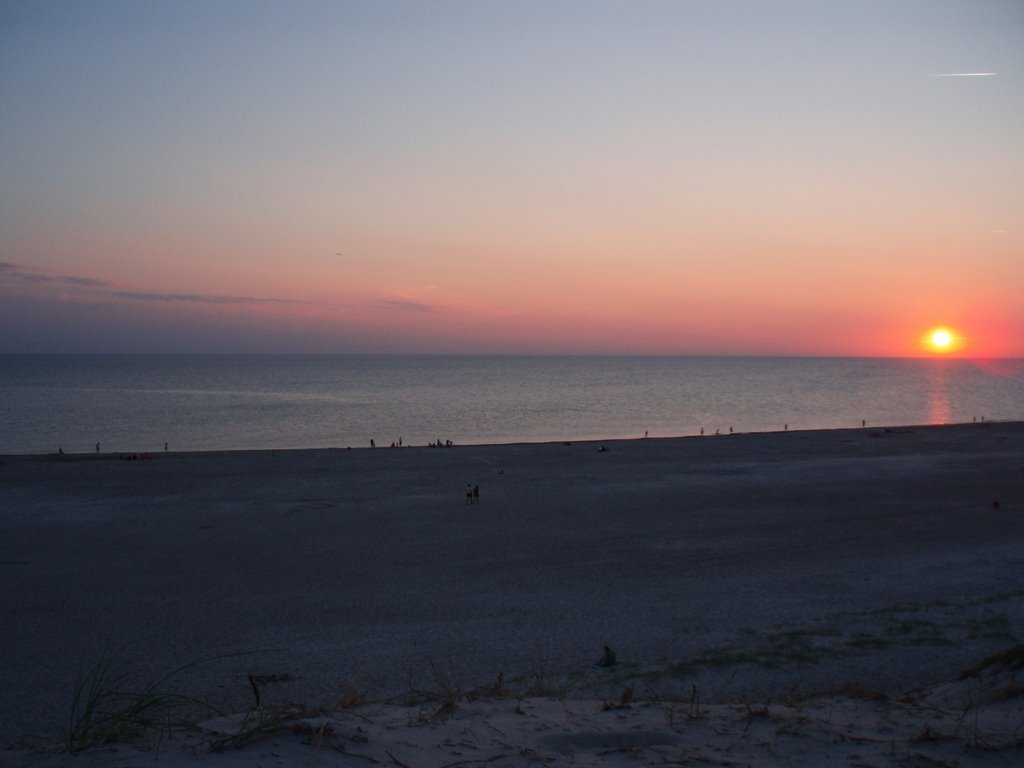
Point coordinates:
[(522, 354)]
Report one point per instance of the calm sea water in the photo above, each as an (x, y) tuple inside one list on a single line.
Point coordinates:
[(205, 402)]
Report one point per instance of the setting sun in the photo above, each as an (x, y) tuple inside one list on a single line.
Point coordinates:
[(941, 340)]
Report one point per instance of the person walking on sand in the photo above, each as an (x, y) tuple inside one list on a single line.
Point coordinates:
[(469, 493), (97, 447), (476, 494)]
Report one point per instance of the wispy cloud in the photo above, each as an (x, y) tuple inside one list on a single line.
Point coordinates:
[(30, 275), (964, 74), (404, 305), (25, 274), (198, 298)]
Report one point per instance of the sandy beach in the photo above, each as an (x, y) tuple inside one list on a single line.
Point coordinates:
[(840, 597)]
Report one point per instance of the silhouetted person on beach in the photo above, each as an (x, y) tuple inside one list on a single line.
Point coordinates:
[(607, 658), (469, 493), (476, 494), (372, 443), (165, 447), (97, 447)]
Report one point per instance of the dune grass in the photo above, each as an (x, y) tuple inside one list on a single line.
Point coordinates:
[(105, 709)]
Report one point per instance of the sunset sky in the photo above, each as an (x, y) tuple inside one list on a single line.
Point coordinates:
[(687, 177)]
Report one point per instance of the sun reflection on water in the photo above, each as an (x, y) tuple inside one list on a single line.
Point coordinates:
[(939, 410)]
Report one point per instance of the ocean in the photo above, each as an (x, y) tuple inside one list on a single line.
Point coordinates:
[(136, 403)]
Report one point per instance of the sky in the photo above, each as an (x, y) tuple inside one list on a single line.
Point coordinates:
[(721, 177)]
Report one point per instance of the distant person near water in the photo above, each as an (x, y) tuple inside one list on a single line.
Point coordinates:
[(476, 494), (469, 493), (97, 447)]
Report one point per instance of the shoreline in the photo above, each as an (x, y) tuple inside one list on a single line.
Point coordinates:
[(768, 565), (108, 455)]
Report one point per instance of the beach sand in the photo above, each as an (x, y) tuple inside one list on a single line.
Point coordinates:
[(773, 599)]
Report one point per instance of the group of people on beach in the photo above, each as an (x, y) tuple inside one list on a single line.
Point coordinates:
[(439, 443), (394, 443), (472, 493)]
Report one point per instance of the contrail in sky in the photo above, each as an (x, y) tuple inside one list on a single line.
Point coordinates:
[(965, 74)]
